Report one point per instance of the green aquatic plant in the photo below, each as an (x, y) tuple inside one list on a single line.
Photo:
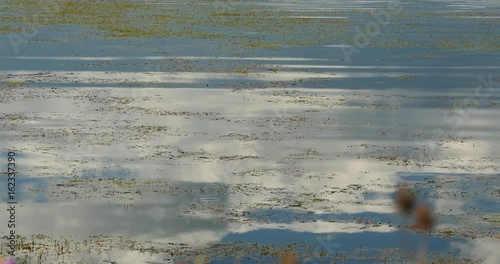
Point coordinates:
[(272, 28)]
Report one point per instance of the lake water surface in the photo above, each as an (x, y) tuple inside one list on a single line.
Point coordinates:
[(235, 131)]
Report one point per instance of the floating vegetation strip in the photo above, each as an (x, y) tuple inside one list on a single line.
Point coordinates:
[(225, 21)]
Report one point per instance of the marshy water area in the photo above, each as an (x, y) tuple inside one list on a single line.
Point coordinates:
[(150, 131)]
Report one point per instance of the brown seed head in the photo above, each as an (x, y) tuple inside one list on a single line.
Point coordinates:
[(405, 199), (424, 220), (289, 258)]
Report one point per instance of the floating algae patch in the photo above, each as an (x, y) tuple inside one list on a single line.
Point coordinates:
[(14, 83), (193, 220), (492, 218), (120, 18), (49, 248), (487, 43), (274, 26), (179, 227), (126, 190), (9, 29)]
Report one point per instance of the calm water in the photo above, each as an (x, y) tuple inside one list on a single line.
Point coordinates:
[(246, 129)]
